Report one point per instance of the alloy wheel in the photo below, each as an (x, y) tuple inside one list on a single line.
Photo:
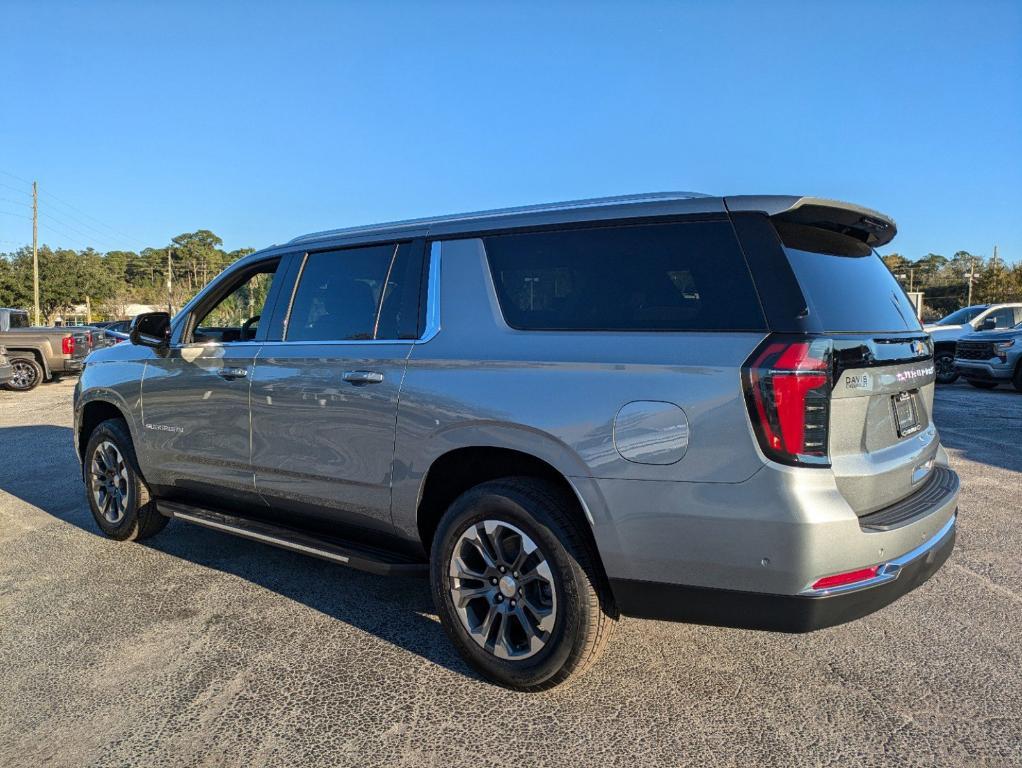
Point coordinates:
[(110, 482), (503, 589), (945, 365), (24, 375)]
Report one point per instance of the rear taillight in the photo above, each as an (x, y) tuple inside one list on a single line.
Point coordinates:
[(67, 345), (788, 381)]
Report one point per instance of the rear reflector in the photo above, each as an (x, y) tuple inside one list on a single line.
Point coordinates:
[(67, 345), (842, 579), (787, 389)]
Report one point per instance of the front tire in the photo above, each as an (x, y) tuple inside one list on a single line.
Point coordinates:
[(944, 362), (28, 374), (516, 585), (118, 495)]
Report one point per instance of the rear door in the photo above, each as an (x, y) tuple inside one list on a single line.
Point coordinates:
[(325, 397)]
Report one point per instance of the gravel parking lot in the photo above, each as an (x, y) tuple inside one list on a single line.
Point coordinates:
[(202, 649)]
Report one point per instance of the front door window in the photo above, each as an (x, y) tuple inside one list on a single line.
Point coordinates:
[(235, 317)]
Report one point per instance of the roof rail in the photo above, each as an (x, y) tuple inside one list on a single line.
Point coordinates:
[(593, 202)]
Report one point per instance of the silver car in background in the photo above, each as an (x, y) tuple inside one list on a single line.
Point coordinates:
[(674, 406)]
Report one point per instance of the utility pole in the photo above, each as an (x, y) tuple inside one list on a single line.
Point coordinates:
[(911, 279), (35, 250), (972, 276), (170, 285)]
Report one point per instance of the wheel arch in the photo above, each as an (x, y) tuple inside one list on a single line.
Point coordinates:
[(457, 470), (96, 408), (34, 352)]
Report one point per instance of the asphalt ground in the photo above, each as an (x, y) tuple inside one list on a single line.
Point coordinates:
[(200, 649)]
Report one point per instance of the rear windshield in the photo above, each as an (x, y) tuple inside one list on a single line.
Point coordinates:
[(687, 276), (19, 320), (962, 316), (845, 284)]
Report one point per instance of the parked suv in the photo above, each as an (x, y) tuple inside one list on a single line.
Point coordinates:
[(991, 358), (963, 322), (705, 409)]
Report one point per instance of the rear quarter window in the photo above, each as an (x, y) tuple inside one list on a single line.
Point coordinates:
[(846, 285), (687, 276)]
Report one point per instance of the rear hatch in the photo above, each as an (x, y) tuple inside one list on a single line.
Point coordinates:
[(868, 396)]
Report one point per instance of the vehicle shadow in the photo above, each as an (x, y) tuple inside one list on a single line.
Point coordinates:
[(981, 425), (398, 610)]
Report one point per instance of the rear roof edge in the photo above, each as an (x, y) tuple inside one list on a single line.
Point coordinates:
[(871, 227)]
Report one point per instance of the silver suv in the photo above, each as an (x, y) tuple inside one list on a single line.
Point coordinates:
[(673, 406)]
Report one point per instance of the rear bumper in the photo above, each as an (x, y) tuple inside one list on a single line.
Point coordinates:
[(786, 613), (72, 366), (983, 371)]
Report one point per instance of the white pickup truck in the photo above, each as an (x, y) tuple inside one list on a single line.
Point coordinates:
[(979, 317)]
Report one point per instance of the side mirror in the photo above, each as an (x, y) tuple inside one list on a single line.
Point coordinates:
[(988, 325), (151, 329)]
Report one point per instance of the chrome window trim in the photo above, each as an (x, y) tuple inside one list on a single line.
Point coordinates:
[(432, 293), (888, 571)]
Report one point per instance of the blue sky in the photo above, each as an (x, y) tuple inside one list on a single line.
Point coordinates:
[(261, 121)]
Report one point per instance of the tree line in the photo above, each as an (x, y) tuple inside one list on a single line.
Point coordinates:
[(944, 282), (111, 281)]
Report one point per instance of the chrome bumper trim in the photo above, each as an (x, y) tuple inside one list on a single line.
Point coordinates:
[(888, 571)]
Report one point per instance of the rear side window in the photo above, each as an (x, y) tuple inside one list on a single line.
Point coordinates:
[(662, 277), (358, 294), (846, 285)]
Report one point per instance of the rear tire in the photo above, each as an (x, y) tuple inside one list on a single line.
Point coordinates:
[(979, 384), (536, 617), (28, 374), (944, 362), (118, 495)]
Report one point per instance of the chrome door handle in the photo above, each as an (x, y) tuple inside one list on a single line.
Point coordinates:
[(232, 373), (363, 377)]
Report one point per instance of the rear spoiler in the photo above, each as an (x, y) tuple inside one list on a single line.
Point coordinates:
[(870, 227)]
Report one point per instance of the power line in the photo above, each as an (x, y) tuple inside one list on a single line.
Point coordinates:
[(7, 173), (101, 233), (17, 215), (16, 202), (15, 189), (87, 236), (110, 230)]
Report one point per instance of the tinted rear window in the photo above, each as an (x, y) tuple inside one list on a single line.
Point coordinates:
[(19, 320), (663, 277), (847, 287)]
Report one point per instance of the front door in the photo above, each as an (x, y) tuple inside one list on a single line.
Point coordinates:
[(324, 400), (195, 399)]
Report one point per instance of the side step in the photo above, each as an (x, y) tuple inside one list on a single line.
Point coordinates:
[(380, 562)]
